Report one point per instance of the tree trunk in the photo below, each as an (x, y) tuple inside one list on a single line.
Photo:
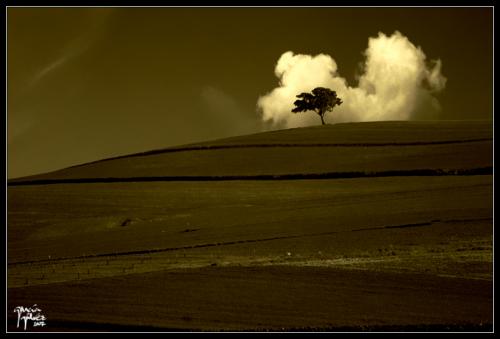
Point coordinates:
[(321, 112)]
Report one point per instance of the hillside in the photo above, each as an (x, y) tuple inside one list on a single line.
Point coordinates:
[(408, 246), (341, 148)]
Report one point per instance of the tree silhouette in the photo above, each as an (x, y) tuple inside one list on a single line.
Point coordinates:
[(321, 100)]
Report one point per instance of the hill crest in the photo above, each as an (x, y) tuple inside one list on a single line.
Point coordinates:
[(369, 147)]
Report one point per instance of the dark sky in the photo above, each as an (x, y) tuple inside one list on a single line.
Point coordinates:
[(90, 83)]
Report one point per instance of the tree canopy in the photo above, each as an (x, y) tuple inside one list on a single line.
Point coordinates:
[(321, 100)]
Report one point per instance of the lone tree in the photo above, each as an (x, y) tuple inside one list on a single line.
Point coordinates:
[(321, 100)]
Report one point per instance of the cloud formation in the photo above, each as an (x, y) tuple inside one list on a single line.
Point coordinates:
[(397, 83), (226, 115), (75, 47)]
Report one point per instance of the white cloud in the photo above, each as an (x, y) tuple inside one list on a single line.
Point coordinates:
[(396, 83)]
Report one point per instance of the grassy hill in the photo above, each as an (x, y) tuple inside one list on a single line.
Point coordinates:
[(396, 251), (341, 148)]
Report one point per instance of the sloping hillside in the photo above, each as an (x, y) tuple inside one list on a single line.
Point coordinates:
[(409, 248), (343, 148)]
